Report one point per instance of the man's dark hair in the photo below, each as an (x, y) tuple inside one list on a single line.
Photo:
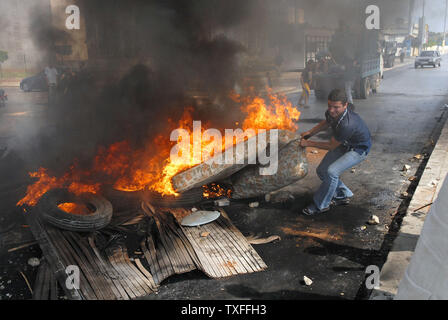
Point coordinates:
[(338, 95)]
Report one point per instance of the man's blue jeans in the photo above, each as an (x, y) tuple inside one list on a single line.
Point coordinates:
[(331, 167)]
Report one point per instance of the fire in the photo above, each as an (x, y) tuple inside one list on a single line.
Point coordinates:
[(214, 190), (278, 114), (47, 182), (74, 208), (151, 167)]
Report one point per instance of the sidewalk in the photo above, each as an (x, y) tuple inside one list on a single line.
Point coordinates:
[(404, 245), (9, 82)]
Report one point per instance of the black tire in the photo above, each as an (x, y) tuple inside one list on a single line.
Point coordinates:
[(26, 87), (49, 211), (415, 66), (434, 65), (187, 198)]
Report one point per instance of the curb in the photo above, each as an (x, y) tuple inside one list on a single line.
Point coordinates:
[(404, 244)]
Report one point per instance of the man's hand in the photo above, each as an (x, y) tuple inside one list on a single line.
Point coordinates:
[(306, 135), (304, 143)]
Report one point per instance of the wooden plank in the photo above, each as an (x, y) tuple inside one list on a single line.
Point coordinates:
[(243, 265), (105, 292), (84, 286), (208, 264), (83, 265), (109, 288), (38, 283), (241, 241), (108, 269), (50, 252), (228, 250), (53, 287), (141, 286), (240, 245), (151, 259), (125, 282), (214, 251), (144, 283), (46, 284), (146, 273)]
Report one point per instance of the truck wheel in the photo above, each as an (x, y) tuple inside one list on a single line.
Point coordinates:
[(365, 88), (98, 218)]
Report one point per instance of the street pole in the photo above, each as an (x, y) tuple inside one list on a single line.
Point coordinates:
[(444, 25), (422, 28)]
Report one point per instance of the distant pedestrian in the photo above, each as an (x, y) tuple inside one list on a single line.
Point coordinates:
[(51, 75), (402, 55), (306, 78)]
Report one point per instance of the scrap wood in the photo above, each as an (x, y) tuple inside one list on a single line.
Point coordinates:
[(426, 205), (22, 246), (252, 239), (27, 282)]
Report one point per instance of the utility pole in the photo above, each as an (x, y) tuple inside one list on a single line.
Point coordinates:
[(444, 24), (421, 29), (411, 11)]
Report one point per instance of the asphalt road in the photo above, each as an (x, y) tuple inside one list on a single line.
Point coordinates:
[(332, 249)]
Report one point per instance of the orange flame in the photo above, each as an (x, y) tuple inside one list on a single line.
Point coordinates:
[(74, 208), (152, 168)]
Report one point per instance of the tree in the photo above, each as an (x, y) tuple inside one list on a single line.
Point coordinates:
[(3, 58)]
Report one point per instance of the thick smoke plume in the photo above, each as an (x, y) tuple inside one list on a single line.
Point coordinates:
[(176, 50)]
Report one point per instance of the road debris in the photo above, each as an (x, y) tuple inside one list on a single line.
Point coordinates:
[(418, 157), (222, 202), (353, 170), (412, 178), (254, 205), (406, 167), (267, 197), (363, 228), (404, 195), (34, 262), (307, 281), (373, 220), (26, 281), (205, 234), (256, 240)]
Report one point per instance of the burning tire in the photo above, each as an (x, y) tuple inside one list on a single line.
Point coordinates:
[(98, 216), (187, 198)]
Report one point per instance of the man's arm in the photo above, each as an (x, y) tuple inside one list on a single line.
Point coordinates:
[(321, 126), (326, 145)]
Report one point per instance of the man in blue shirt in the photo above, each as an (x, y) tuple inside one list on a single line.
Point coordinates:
[(349, 145)]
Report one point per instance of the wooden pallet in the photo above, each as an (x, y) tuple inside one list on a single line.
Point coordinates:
[(167, 249), (223, 252)]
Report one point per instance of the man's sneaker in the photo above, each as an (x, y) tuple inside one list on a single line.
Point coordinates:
[(340, 202), (312, 209)]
